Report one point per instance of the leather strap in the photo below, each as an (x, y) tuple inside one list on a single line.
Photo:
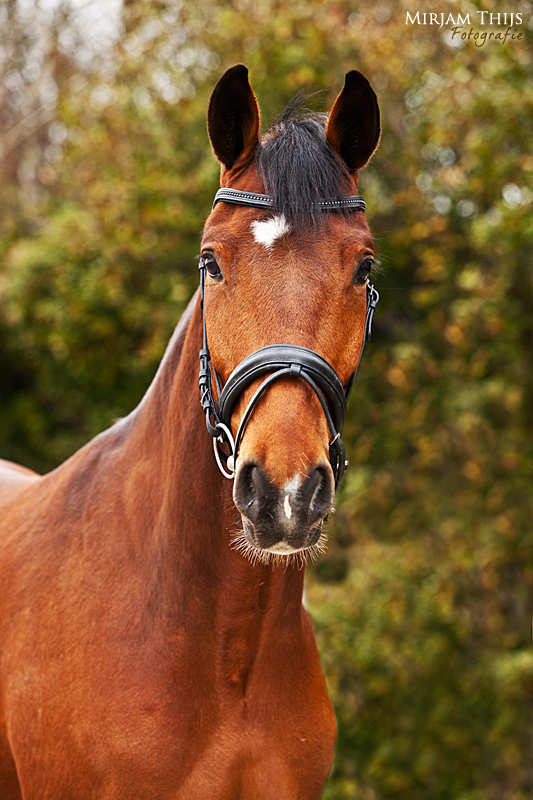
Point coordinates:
[(264, 201), (291, 360)]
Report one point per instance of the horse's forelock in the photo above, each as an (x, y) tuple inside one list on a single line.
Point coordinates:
[(299, 166)]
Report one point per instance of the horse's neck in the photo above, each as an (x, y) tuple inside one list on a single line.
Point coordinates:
[(180, 487), (168, 445)]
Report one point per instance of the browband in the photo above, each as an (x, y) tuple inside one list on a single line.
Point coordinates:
[(264, 201)]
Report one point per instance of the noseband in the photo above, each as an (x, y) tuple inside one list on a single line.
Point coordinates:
[(276, 361)]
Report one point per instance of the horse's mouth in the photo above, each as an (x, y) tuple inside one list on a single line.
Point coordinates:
[(266, 547)]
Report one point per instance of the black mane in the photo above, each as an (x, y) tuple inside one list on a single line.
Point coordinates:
[(299, 166)]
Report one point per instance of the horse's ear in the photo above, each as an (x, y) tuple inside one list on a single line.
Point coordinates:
[(233, 118), (354, 127)]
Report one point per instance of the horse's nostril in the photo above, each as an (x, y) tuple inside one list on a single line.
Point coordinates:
[(248, 490), (316, 494), (262, 503)]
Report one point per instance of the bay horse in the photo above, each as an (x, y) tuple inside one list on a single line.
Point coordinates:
[(153, 639)]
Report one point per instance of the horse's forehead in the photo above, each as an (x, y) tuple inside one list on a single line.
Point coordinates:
[(265, 232), (236, 229)]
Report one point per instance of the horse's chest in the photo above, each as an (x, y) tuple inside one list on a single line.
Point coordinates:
[(144, 736), (247, 762), (164, 716), (267, 745), (250, 750)]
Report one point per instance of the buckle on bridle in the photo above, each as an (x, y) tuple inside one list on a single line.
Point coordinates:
[(226, 464)]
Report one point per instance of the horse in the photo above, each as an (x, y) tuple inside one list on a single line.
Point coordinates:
[(154, 644)]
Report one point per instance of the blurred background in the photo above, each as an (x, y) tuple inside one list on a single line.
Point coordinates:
[(422, 605)]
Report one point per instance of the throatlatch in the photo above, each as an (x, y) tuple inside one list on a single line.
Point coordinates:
[(276, 361)]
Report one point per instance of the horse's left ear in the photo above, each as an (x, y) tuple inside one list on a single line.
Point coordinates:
[(233, 118), (354, 127)]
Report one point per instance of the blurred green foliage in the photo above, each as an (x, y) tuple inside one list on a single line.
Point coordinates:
[(423, 603)]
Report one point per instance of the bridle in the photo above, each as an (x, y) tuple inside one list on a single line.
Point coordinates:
[(276, 361)]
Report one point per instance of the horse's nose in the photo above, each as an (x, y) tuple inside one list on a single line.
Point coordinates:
[(287, 518)]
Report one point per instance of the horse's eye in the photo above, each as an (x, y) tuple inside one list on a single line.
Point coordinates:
[(363, 271), (211, 265)]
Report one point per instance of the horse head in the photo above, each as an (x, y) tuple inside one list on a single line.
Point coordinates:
[(286, 257)]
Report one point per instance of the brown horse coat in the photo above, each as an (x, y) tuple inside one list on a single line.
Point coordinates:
[(141, 657)]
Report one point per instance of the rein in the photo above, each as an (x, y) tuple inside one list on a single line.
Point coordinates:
[(276, 361)]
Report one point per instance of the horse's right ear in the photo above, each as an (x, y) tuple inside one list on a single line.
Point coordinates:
[(233, 118)]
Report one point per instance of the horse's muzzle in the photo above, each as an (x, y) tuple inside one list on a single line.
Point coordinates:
[(283, 520)]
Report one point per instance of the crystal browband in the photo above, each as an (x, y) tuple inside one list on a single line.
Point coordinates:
[(264, 201)]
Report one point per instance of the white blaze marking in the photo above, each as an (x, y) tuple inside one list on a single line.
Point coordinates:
[(291, 487), (266, 233)]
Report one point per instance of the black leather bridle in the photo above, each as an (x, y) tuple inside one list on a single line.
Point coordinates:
[(276, 361)]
